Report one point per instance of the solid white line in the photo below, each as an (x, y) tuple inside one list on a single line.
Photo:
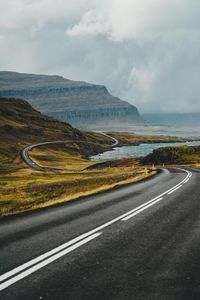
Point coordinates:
[(57, 249), (186, 180), (89, 233), (140, 210), (46, 262), (178, 183), (65, 245), (178, 187), (159, 196), (42, 257)]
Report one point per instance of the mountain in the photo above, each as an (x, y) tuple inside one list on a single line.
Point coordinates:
[(82, 104), (186, 120)]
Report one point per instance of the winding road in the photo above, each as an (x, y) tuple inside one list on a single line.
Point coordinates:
[(26, 158), (136, 242)]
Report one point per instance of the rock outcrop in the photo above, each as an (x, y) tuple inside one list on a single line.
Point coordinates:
[(173, 155), (79, 103)]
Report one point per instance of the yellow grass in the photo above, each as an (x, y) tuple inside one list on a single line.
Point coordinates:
[(61, 160), (26, 189), (131, 138)]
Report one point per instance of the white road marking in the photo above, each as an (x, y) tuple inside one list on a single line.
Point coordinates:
[(178, 187), (154, 201), (43, 256), (46, 262), (78, 241), (140, 210), (186, 180), (188, 177)]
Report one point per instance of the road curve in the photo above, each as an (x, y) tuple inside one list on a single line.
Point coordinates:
[(26, 158), (137, 242), (116, 142)]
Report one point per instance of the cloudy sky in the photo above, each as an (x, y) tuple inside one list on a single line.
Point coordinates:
[(145, 51)]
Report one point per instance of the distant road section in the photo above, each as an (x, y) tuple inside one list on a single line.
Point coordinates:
[(116, 142), (26, 158)]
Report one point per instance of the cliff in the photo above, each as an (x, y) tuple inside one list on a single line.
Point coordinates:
[(79, 103)]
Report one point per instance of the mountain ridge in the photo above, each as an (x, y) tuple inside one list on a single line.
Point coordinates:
[(79, 103)]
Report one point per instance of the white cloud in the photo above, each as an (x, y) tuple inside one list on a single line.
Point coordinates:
[(137, 19), (147, 52), (91, 23), (15, 14)]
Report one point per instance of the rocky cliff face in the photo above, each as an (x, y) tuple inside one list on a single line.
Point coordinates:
[(79, 103)]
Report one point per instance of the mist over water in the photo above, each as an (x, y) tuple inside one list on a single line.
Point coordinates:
[(169, 133)]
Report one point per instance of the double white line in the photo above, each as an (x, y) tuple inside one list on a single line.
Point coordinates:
[(178, 186), (41, 261), (159, 198)]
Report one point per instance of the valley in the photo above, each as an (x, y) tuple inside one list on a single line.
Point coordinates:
[(65, 172)]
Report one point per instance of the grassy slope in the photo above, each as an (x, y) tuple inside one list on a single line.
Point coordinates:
[(22, 188), (30, 190), (21, 125)]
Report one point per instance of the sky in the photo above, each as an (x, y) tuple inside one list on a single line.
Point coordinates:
[(145, 52)]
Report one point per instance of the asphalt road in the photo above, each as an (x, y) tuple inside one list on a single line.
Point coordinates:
[(31, 163), (141, 241)]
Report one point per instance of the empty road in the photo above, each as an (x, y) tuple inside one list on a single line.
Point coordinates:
[(31, 163), (140, 241)]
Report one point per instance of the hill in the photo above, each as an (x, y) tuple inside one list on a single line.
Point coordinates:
[(82, 104), (23, 188), (21, 125), (182, 155)]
